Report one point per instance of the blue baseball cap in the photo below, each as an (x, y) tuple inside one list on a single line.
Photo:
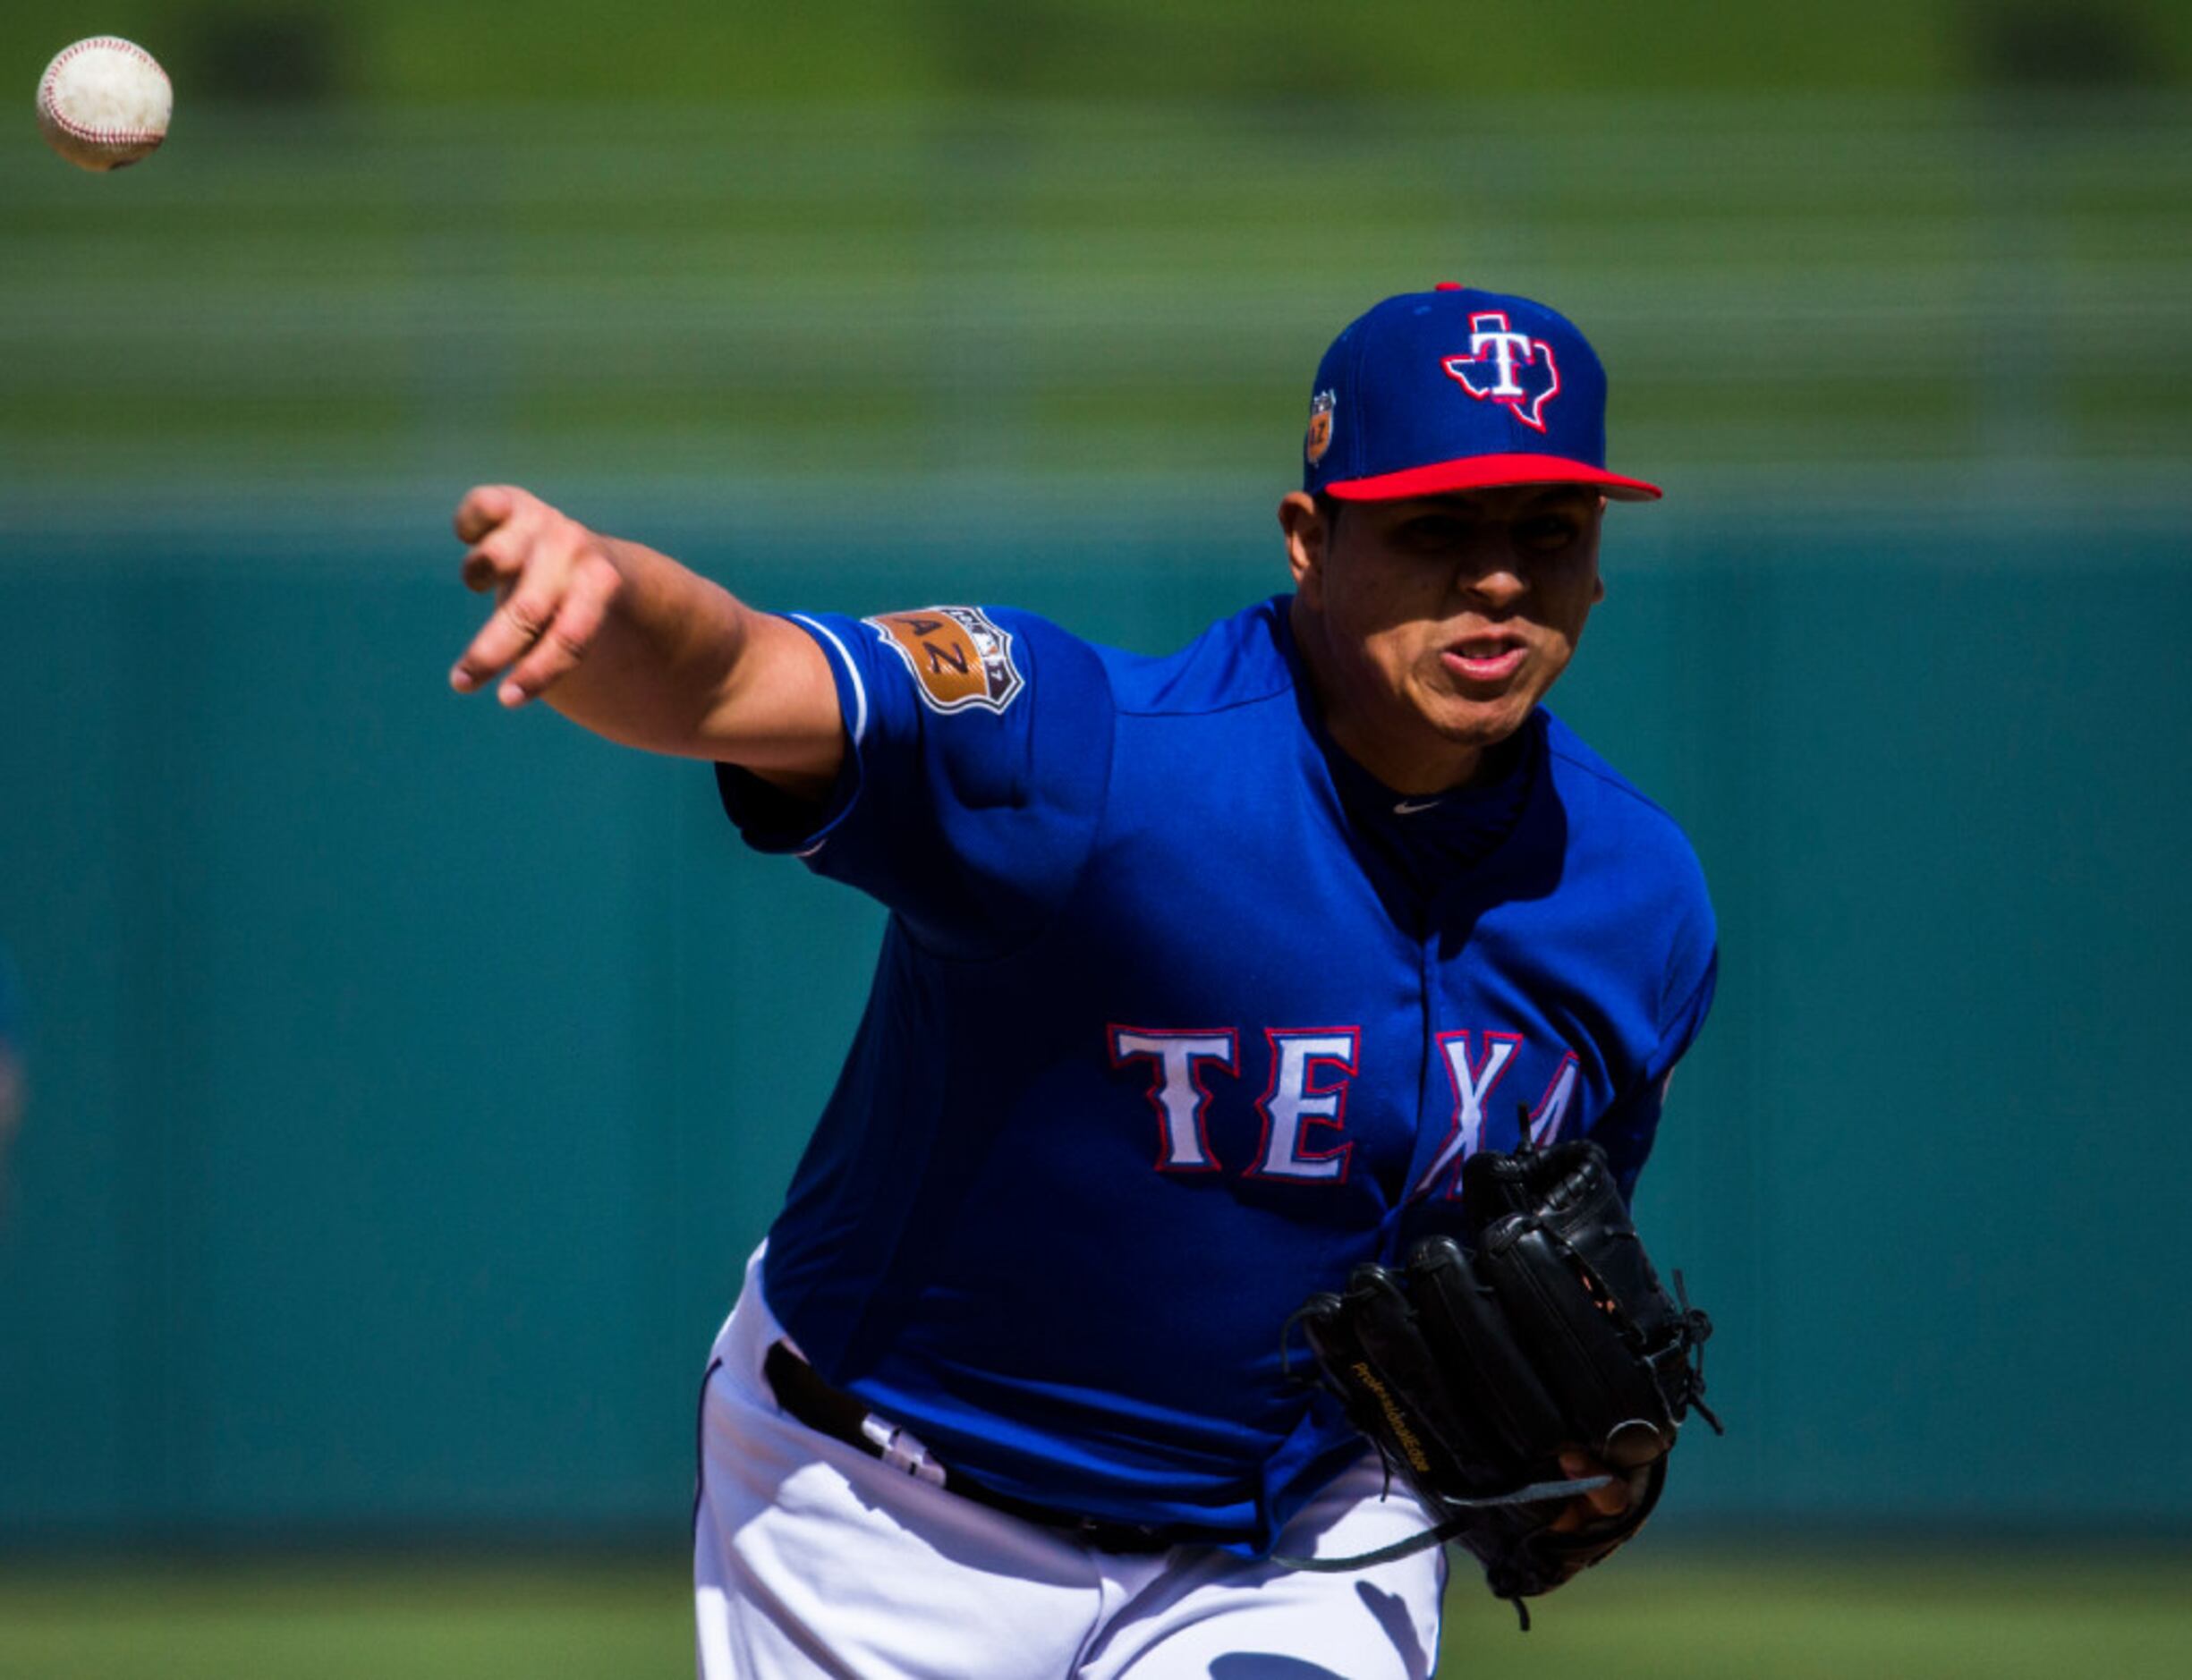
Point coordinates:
[(1458, 389)]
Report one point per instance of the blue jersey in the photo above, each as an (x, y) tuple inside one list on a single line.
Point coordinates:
[(1179, 1016)]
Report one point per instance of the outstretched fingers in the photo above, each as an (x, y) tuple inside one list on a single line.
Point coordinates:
[(484, 507), (513, 627), (497, 560), (554, 582), (563, 641)]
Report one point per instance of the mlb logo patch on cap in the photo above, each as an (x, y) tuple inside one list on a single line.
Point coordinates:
[(1320, 438), (1456, 389)]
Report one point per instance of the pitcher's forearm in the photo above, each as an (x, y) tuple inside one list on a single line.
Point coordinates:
[(631, 645)]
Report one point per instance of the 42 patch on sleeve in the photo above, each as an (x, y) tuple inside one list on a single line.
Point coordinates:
[(958, 657)]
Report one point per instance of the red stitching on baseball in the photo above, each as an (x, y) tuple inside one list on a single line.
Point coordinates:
[(53, 112), (103, 136)]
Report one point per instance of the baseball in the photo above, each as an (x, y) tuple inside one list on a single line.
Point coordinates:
[(104, 103)]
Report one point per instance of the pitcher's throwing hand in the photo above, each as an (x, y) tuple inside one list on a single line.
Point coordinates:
[(555, 580)]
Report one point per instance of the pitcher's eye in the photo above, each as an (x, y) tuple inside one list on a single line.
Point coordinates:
[(1432, 530), (1547, 533)]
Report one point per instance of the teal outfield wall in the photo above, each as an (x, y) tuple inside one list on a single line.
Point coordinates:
[(409, 1080)]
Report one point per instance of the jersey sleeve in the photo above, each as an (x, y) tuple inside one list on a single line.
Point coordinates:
[(1627, 1128), (977, 758)]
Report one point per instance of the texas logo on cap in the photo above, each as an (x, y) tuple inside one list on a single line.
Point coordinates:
[(1505, 366), (1454, 389)]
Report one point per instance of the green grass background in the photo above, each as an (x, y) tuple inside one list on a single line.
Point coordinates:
[(695, 51), (1680, 1615), (1013, 292), (1016, 238)]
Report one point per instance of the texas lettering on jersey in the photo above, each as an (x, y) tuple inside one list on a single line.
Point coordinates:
[(1304, 1104)]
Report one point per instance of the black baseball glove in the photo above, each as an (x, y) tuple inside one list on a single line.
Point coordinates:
[(1474, 1369)]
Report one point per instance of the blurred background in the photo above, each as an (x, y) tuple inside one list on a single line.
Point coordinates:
[(403, 1083)]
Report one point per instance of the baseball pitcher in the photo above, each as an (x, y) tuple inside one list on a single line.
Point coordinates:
[(1224, 1198)]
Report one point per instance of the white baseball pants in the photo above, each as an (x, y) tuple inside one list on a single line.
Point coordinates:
[(810, 1558)]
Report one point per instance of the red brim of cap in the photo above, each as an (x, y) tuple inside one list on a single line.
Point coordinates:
[(1489, 473)]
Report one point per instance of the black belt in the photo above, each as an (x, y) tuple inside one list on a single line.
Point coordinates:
[(802, 1391)]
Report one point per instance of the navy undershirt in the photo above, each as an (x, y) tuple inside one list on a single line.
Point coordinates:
[(1430, 838)]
